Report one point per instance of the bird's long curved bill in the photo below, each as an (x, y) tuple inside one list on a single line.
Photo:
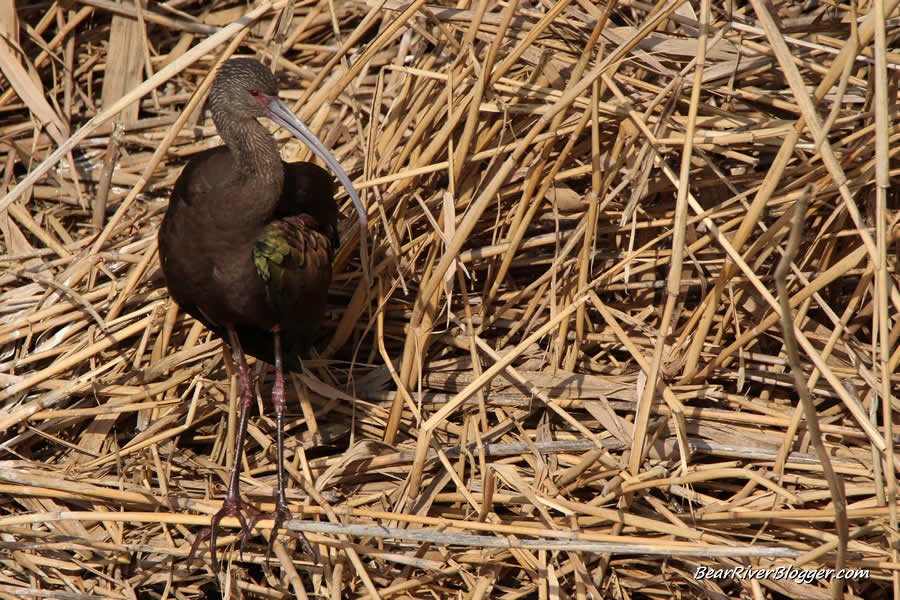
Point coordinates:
[(282, 115)]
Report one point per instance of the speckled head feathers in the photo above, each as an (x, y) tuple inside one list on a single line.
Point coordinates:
[(238, 86)]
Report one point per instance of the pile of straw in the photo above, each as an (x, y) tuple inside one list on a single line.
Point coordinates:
[(556, 363)]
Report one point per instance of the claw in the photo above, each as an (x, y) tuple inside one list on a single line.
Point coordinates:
[(280, 515), (233, 507)]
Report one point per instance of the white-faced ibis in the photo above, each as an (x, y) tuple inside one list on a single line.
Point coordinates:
[(246, 248)]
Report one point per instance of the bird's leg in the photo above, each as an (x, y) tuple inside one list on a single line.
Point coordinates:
[(281, 513), (233, 506), (278, 401)]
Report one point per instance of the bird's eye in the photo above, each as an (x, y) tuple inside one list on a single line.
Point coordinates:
[(254, 93)]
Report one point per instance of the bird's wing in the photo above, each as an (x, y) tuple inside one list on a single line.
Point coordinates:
[(309, 190), (294, 262)]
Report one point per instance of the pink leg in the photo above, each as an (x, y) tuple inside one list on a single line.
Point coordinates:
[(278, 401), (233, 506)]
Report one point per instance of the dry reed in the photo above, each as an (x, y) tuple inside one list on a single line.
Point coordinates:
[(559, 367)]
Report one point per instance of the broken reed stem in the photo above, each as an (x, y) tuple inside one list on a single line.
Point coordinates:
[(835, 483)]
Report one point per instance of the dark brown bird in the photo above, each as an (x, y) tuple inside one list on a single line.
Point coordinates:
[(246, 248)]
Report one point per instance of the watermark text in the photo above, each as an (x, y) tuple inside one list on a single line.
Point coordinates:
[(781, 574)]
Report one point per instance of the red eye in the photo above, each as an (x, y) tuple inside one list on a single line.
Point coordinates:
[(254, 93)]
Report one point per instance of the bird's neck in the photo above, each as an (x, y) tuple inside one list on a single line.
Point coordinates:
[(255, 152)]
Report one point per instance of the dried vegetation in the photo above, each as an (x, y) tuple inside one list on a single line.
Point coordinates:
[(558, 370)]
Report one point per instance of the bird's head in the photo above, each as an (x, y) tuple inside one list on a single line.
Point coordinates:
[(244, 89)]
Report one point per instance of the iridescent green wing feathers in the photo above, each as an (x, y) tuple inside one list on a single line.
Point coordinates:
[(294, 261)]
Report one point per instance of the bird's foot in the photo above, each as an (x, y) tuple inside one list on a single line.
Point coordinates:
[(279, 516), (232, 507)]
